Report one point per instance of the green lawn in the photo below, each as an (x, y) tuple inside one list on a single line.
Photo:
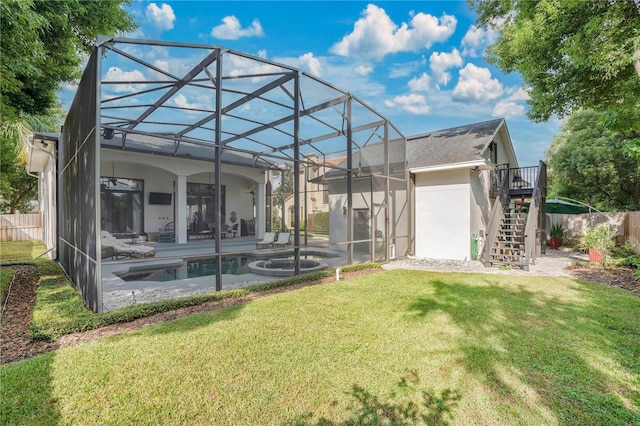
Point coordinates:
[(389, 347), (20, 251)]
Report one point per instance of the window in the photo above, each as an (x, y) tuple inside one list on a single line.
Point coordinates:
[(493, 152), (122, 205)]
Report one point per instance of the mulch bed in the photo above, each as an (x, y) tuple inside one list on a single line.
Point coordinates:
[(618, 277), (14, 332)]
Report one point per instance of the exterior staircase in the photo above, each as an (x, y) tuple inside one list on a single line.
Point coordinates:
[(508, 248), (516, 232)]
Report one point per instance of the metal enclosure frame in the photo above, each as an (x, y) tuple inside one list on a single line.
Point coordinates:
[(226, 108)]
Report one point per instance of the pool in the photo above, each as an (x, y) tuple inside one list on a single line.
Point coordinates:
[(190, 268)]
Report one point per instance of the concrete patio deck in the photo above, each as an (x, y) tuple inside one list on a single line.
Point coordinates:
[(552, 263)]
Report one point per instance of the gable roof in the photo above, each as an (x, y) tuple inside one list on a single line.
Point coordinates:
[(463, 144)]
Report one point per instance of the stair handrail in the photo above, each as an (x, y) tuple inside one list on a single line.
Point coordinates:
[(496, 214), (531, 227)]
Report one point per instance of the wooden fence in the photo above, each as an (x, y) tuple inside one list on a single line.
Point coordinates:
[(21, 227), (628, 224)]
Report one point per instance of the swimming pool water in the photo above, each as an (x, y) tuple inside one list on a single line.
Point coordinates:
[(191, 268)]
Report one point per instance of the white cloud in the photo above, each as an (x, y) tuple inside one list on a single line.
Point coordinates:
[(363, 70), (239, 65), (375, 35), (512, 106), (476, 85), (231, 29), (181, 101), (162, 17), (476, 39), (508, 109), (412, 103), (117, 74), (441, 62), (311, 63), (420, 84)]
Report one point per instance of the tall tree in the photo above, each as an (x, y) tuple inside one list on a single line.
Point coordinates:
[(586, 163), (572, 54), (43, 43)]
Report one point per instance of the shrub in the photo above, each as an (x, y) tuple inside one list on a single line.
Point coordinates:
[(599, 237), (634, 262), (321, 222), (623, 251)]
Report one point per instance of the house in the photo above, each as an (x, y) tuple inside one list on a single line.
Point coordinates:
[(316, 197), (192, 147)]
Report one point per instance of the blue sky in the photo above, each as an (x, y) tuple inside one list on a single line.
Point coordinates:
[(420, 64)]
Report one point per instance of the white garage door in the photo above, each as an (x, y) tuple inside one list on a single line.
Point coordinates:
[(442, 221)]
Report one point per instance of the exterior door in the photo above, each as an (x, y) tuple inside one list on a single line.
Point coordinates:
[(122, 205)]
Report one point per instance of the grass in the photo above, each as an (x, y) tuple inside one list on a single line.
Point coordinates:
[(12, 252), (60, 310), (398, 347)]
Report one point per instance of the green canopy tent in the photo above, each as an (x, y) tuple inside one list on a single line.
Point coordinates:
[(565, 207)]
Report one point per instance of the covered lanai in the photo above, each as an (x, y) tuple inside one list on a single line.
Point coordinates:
[(196, 147)]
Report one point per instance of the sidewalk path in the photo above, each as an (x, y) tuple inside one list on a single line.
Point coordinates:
[(552, 263)]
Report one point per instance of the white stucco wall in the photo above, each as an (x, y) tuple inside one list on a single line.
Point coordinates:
[(442, 215), (159, 174), (481, 204)]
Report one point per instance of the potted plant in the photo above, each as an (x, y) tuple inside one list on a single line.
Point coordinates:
[(142, 236), (597, 241), (557, 236)]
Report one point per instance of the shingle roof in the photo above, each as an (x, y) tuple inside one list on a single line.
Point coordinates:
[(450, 146)]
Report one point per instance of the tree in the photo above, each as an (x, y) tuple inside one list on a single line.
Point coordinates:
[(284, 189), (586, 163), (43, 43), (17, 188), (572, 54)]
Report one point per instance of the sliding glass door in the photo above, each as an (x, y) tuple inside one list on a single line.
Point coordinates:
[(122, 205)]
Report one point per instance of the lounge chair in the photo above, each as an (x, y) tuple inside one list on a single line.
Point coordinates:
[(283, 239), (113, 248), (267, 241)]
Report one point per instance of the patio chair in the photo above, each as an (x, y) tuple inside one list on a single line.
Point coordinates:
[(113, 248), (169, 233), (283, 239), (234, 230), (224, 230), (267, 241)]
